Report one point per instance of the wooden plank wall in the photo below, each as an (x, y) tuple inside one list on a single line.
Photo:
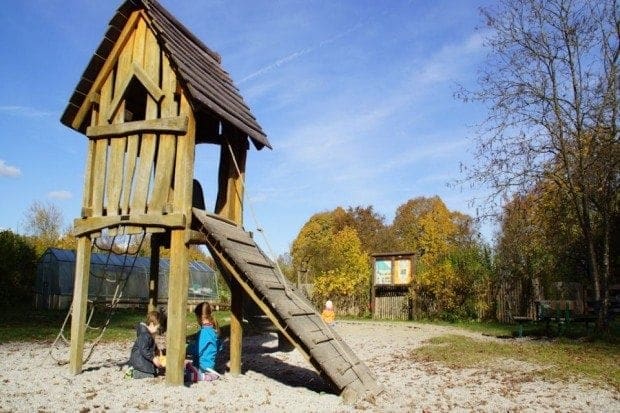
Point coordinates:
[(393, 305), (132, 173), (510, 302)]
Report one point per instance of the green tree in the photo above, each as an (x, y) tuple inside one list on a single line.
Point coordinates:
[(314, 238), (453, 269), (425, 226), (551, 85), (332, 254), (18, 262), (539, 243), (347, 281)]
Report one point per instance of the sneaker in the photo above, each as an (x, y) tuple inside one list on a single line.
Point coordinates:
[(129, 373)]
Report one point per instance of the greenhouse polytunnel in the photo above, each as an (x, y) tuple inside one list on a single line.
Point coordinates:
[(112, 274)]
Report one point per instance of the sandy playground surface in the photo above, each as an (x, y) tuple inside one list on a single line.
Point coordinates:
[(273, 380)]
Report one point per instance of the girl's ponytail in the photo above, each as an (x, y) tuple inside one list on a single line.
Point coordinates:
[(203, 312)]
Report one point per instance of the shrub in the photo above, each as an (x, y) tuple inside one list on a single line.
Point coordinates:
[(18, 263)]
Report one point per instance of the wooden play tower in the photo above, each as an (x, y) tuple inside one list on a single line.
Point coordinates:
[(151, 92)]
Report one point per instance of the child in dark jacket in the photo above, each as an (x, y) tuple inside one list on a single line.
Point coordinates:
[(142, 358)]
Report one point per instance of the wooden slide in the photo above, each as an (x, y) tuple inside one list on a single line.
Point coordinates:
[(293, 315)]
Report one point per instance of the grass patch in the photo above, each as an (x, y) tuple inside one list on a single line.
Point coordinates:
[(27, 324), (572, 330), (487, 328), (558, 360)]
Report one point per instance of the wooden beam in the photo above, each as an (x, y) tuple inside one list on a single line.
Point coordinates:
[(80, 300), (181, 203), (88, 225), (94, 98), (165, 164), (150, 86), (154, 272), (118, 147), (176, 125), (107, 67), (87, 195), (196, 237), (101, 153)]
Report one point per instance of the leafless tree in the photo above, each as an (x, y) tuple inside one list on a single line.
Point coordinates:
[(44, 220), (550, 83)]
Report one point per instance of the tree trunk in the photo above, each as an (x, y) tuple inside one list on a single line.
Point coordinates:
[(606, 266), (592, 258)]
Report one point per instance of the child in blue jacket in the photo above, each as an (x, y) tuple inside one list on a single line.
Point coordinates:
[(203, 351)]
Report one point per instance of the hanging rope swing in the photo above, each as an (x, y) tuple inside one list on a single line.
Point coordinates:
[(116, 280)]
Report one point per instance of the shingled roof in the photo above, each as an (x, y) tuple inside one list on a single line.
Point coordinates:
[(213, 94)]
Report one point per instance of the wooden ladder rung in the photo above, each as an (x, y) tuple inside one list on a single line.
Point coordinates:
[(239, 240), (296, 313), (275, 286), (322, 339), (264, 264)]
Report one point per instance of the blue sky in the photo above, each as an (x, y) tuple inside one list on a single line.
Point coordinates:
[(356, 98)]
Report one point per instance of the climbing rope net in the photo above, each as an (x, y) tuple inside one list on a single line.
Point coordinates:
[(126, 245)]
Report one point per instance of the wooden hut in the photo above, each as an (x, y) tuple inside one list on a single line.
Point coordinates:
[(150, 93)]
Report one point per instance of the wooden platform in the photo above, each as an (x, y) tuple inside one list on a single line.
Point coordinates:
[(293, 315)]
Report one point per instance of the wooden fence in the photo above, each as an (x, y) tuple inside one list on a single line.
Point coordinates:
[(518, 298), (513, 299), (392, 304)]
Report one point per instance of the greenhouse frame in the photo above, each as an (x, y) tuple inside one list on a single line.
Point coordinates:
[(113, 275)]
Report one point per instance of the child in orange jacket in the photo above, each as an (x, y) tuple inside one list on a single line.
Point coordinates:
[(328, 315)]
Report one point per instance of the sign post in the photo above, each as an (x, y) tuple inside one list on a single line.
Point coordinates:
[(392, 278)]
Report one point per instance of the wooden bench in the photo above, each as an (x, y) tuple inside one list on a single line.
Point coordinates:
[(520, 320), (559, 312), (562, 313)]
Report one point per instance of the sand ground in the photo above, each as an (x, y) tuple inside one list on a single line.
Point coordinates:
[(274, 381)]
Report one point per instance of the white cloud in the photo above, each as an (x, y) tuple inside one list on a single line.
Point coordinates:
[(450, 61), (299, 53), (8, 170), (434, 149), (336, 129), (24, 111), (60, 195)]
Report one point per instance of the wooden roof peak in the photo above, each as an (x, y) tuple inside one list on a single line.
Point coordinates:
[(214, 97)]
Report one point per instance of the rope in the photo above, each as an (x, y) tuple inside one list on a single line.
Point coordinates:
[(287, 291), (259, 228), (118, 293)]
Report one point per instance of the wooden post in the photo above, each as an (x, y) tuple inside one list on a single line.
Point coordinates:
[(178, 278), (80, 300), (373, 303), (236, 326), (229, 203), (154, 272), (177, 307)]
